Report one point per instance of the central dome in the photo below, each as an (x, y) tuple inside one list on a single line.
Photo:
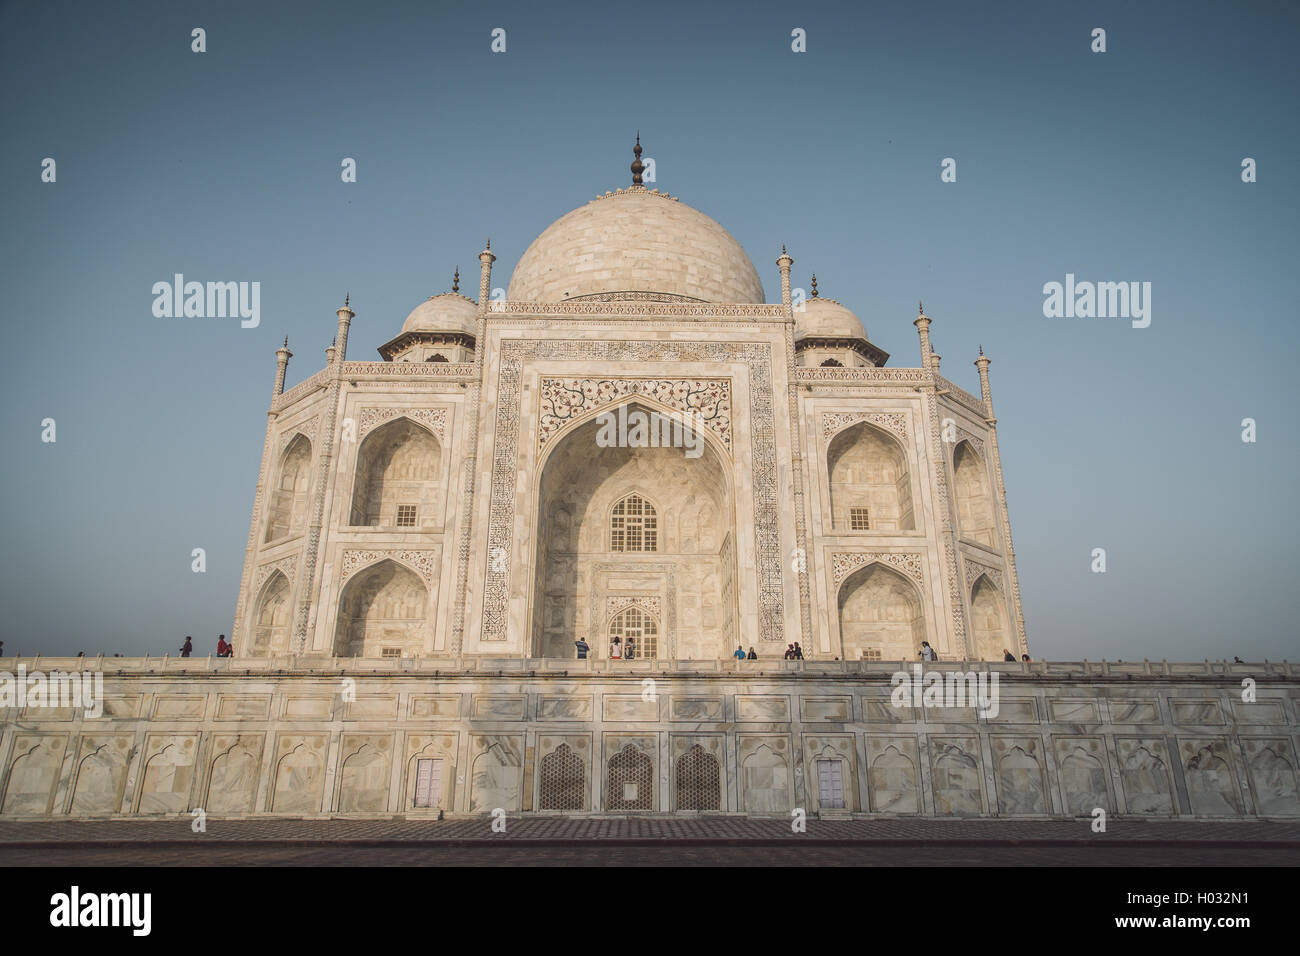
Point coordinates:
[(635, 243)]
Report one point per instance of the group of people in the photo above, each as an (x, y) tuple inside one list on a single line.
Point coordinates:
[(618, 650), (224, 647)]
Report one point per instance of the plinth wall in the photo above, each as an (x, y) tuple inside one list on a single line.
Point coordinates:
[(311, 737)]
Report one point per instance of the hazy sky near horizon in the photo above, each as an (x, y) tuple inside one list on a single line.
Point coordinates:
[(1122, 166)]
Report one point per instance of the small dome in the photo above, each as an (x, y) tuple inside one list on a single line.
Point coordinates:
[(449, 312), (827, 319), (635, 242)]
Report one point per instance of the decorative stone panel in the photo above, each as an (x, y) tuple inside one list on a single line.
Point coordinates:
[(424, 563), (565, 399), (910, 563), (435, 419)]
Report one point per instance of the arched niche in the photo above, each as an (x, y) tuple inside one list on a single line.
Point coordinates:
[(271, 618), (868, 471), (584, 476), (287, 512), (989, 624), (880, 609), (396, 484), (384, 607), (975, 521)]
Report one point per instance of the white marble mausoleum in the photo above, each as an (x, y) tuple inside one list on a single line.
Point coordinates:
[(434, 530)]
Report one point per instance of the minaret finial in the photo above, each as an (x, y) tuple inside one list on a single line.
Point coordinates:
[(455, 280), (783, 252), (981, 350), (286, 341), (489, 244), (347, 298), (814, 285), (920, 307), (637, 166)]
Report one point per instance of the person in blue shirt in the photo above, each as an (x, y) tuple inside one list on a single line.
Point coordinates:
[(740, 652), (582, 647)]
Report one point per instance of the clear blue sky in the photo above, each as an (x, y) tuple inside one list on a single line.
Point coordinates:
[(225, 166)]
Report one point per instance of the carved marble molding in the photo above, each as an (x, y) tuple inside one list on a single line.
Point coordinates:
[(763, 463), (465, 370), (307, 428), (640, 307), (319, 380), (565, 399), (423, 563), (962, 396), (910, 563), (435, 419), (286, 566), (621, 602), (904, 376), (895, 422)]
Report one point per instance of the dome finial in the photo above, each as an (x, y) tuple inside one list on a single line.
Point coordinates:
[(455, 280), (637, 166), (814, 285)]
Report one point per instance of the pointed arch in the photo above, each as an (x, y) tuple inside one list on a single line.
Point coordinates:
[(636, 626), (990, 625), (398, 467), (867, 469), (880, 609), (588, 533), (271, 617), (287, 512), (974, 494), (384, 606)]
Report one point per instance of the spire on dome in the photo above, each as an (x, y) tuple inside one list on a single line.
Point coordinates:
[(455, 280), (814, 285), (637, 166)]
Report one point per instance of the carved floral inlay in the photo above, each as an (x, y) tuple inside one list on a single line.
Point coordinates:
[(616, 603), (435, 419), (895, 422), (423, 563), (307, 428), (845, 563), (976, 569), (287, 566), (564, 399)]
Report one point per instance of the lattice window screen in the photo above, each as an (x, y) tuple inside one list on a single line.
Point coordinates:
[(631, 780), (698, 786), (563, 781)]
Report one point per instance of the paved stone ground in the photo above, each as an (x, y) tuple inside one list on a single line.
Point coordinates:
[(623, 841)]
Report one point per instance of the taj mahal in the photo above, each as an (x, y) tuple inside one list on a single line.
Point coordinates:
[(452, 500), (439, 533)]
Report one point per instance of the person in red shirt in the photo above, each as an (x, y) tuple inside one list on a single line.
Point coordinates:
[(223, 649)]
